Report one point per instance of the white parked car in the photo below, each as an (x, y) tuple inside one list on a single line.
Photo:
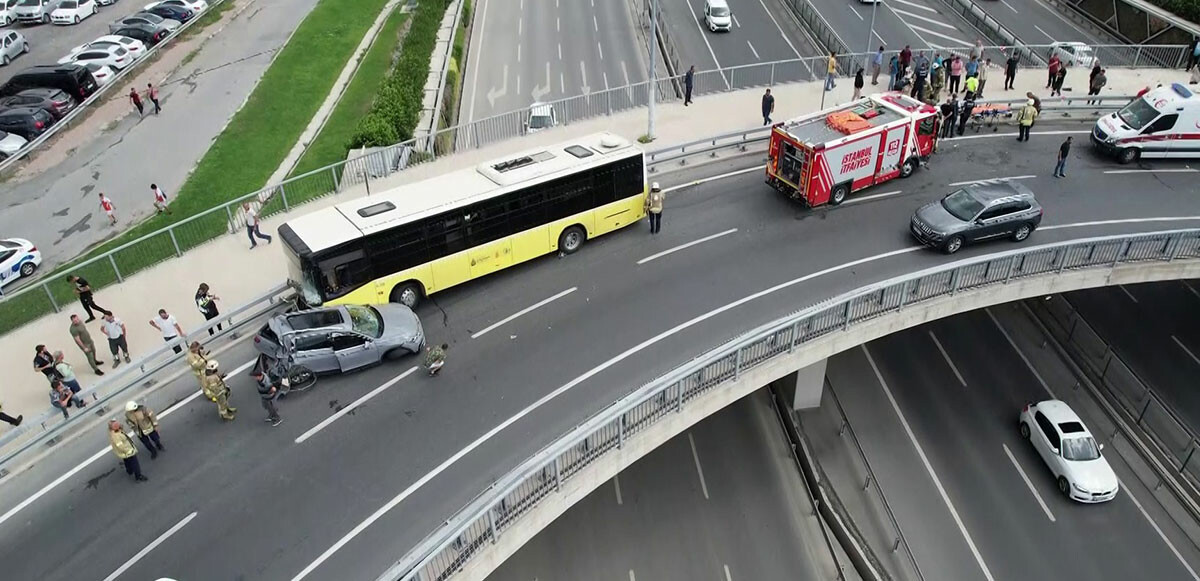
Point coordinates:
[(102, 73), (10, 144), (196, 6), (18, 258), (1073, 54), (111, 55), (135, 47), (1070, 451), (12, 45), (541, 116), (8, 13), (72, 11)]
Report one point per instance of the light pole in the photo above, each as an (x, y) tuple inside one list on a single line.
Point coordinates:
[(653, 76), (870, 34)]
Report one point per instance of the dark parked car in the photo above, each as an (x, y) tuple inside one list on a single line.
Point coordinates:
[(75, 80), (977, 212), (142, 18), (28, 122), (150, 35), (171, 12), (55, 101)]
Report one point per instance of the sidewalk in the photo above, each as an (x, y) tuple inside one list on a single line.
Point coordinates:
[(237, 274)]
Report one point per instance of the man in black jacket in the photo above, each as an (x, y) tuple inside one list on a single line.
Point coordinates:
[(1010, 70)]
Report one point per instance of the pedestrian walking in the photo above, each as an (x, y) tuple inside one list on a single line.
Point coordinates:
[(689, 79), (43, 362), (14, 422), (1064, 150), (109, 209), (83, 290), (768, 107), (123, 447), (170, 329), (268, 392), (1025, 120), (217, 390), (905, 59), (66, 373), (114, 329), (160, 199), (252, 225), (1052, 67), (831, 71), (876, 66), (1059, 78), (858, 83), (144, 424), (197, 359), (207, 303), (137, 101), (654, 207), (1010, 70), (63, 398), (956, 71), (152, 95), (83, 340), (1098, 81), (982, 76)]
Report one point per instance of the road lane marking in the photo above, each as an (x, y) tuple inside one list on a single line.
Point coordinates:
[(699, 470), (1000, 179), (142, 553), (1036, 496), (475, 74), (600, 48), (595, 23), (1010, 7), (704, 37), (955, 39), (735, 21), (713, 178), (631, 577), (605, 75), (915, 5), (1191, 289), (1185, 349), (1021, 353), (1052, 41), (1009, 135), (520, 25), (557, 24), (782, 35), (1122, 221), (1161, 534), (962, 528), (861, 199), (518, 76), (560, 51), (617, 486), (353, 405), (946, 356), (1165, 170), (523, 311), (728, 577), (687, 245), (924, 18), (562, 82), (1127, 293), (752, 50), (583, 75), (854, 11)]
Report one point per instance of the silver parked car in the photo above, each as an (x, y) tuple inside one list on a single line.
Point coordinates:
[(977, 212), (341, 338), (12, 45), (140, 18)]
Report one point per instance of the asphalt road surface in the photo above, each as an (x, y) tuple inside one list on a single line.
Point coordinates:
[(935, 408), (724, 500), (1035, 22), (921, 24), (268, 507)]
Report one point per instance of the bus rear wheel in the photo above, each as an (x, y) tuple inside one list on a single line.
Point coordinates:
[(407, 294), (571, 239)]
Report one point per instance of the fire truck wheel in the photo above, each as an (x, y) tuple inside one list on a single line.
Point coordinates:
[(952, 245), (839, 193), (909, 167)]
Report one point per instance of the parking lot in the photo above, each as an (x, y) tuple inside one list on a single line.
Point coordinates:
[(50, 42)]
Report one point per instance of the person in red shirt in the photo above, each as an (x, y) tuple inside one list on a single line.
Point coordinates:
[(1054, 65), (136, 100), (152, 94), (109, 209)]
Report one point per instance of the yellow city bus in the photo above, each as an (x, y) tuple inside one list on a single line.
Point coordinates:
[(424, 237)]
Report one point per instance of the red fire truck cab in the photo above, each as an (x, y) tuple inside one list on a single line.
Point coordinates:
[(824, 156)]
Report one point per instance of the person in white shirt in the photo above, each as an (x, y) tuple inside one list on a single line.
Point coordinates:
[(169, 327), (114, 329), (252, 225), (160, 199)]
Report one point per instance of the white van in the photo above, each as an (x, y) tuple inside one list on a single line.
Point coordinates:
[(717, 15), (541, 116), (1162, 123)]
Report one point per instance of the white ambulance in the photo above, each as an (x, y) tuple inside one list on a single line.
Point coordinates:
[(1164, 122)]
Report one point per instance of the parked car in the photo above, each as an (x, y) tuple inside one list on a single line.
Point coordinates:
[(10, 144), (142, 18), (977, 212), (172, 12), (72, 11), (541, 116), (71, 78), (18, 258), (196, 6), (110, 55), (31, 11), (102, 73), (341, 338), (8, 12), (106, 2), (148, 34), (135, 47), (54, 101), (28, 122), (1069, 450), (1073, 54), (12, 45)]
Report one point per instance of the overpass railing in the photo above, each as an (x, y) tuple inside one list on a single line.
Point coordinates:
[(501, 506), (112, 266)]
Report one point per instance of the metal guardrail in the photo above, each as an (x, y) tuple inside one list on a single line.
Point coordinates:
[(100, 94), (499, 507), (45, 297), (49, 425)]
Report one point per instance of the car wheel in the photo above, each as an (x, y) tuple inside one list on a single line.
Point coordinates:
[(1022, 232), (1127, 155), (1064, 486), (1025, 430), (28, 269), (909, 167), (954, 244), (396, 353), (76, 19), (25, 47), (45, 19), (839, 193), (571, 239), (5, 61), (407, 294)]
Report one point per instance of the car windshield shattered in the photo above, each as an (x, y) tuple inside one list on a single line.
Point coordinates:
[(1080, 449), (366, 320)]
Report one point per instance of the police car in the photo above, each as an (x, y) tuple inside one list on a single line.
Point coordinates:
[(18, 258)]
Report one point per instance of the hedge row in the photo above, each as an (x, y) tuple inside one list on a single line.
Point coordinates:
[(1186, 9), (397, 107)]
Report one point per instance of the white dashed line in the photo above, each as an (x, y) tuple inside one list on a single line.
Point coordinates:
[(1020, 353), (353, 406), (752, 50), (617, 486), (861, 199), (699, 470), (1185, 349), (142, 553), (523, 311), (687, 245), (1036, 496), (1127, 293), (946, 356), (1001, 179)]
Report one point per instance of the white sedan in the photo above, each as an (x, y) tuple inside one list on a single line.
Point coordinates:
[(7, 12), (196, 6), (18, 258), (1070, 451), (10, 144), (115, 57), (102, 73), (135, 47), (72, 11)]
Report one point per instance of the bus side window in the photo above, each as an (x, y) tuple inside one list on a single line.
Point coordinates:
[(1164, 123), (345, 272), (446, 234), (398, 249), (487, 221), (526, 209)]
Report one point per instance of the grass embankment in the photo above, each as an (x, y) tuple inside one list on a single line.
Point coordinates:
[(453, 92), (239, 161)]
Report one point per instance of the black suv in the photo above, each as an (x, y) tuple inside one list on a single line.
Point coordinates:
[(55, 101), (28, 122), (75, 80)]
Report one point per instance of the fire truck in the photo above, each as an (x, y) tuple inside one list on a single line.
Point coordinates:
[(824, 156)]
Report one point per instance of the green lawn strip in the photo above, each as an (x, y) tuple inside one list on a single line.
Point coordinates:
[(240, 160), (333, 142), (450, 98)]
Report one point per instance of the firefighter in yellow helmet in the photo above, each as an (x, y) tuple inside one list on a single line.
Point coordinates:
[(197, 359), (215, 389)]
